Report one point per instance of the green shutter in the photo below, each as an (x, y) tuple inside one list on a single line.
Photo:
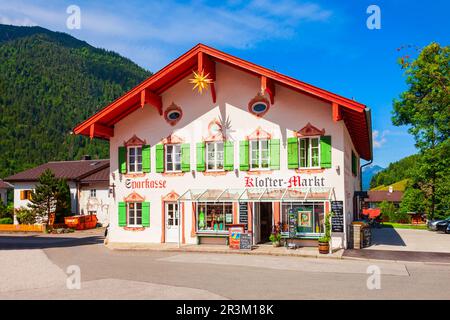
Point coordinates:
[(354, 164), (159, 158), (122, 214), (292, 153), (146, 214), (325, 152), (274, 154), (201, 156), (243, 156), (185, 157), (228, 150), (122, 159), (146, 159)]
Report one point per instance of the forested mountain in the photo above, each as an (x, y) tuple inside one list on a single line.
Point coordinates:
[(49, 82), (395, 172)]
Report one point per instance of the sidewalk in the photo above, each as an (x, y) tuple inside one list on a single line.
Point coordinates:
[(262, 249)]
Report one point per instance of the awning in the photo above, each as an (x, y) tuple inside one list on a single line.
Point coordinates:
[(258, 195)]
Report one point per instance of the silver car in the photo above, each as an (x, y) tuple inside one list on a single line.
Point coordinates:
[(432, 224)]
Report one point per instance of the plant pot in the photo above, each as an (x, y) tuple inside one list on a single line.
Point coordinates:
[(276, 243), (324, 247)]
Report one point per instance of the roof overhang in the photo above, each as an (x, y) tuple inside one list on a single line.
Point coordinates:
[(201, 57)]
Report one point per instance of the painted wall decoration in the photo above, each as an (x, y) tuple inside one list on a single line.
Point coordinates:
[(173, 114), (304, 219), (259, 105)]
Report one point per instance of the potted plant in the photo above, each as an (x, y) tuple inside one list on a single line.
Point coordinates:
[(324, 241), (275, 236)]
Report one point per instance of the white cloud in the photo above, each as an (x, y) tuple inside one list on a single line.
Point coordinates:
[(129, 27), (379, 140)]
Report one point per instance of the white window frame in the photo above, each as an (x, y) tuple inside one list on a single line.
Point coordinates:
[(178, 145), (216, 152), (136, 162), (93, 193), (135, 214), (259, 141), (309, 151)]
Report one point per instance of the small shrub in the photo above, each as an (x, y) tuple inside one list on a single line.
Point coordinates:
[(6, 221), (25, 216)]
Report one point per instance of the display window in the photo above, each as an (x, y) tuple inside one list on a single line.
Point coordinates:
[(310, 217), (214, 217)]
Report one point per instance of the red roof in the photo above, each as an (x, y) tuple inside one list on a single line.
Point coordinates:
[(70, 170), (379, 196), (99, 176), (101, 124), (5, 185)]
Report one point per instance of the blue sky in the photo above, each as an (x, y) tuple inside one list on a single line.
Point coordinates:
[(325, 43)]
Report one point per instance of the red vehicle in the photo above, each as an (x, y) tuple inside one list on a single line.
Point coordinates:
[(81, 222)]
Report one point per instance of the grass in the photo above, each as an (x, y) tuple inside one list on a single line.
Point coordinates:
[(398, 186), (404, 225)]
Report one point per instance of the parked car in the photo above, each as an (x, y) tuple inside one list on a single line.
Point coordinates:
[(443, 226), (432, 224)]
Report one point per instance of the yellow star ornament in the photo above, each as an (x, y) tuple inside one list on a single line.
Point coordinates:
[(200, 81)]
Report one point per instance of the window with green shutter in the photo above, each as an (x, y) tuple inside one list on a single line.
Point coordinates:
[(200, 156), (146, 159), (274, 154), (243, 156), (325, 151), (122, 214), (229, 155), (146, 214), (185, 157), (292, 150), (159, 158), (122, 159)]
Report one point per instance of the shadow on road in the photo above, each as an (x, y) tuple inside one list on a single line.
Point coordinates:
[(39, 242), (387, 236)]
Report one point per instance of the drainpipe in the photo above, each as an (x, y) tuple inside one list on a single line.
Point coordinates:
[(368, 115)]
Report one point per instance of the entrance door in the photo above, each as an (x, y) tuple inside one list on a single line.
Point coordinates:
[(265, 212), (171, 221)]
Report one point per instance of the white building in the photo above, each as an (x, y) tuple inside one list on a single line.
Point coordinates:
[(88, 181), (255, 148), (4, 187)]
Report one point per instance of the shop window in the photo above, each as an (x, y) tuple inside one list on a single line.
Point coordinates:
[(172, 214), (134, 213), (259, 154), (310, 217), (214, 217), (134, 159), (309, 152), (214, 156), (93, 193), (173, 157)]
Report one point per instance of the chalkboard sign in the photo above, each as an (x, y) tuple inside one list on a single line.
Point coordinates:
[(246, 242), (243, 214), (293, 223), (337, 221)]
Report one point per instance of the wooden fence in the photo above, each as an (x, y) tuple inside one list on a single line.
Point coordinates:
[(21, 227)]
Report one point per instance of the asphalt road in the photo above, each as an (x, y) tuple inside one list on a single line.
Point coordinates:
[(37, 268)]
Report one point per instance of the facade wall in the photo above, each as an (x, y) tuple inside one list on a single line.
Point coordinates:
[(98, 204), (291, 111)]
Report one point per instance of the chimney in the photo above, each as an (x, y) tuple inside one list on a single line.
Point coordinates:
[(86, 157)]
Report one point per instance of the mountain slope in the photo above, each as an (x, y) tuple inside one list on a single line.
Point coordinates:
[(49, 82), (395, 172), (367, 173)]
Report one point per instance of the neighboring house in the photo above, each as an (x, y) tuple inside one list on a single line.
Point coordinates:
[(257, 148), (375, 198), (88, 181), (4, 187)]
